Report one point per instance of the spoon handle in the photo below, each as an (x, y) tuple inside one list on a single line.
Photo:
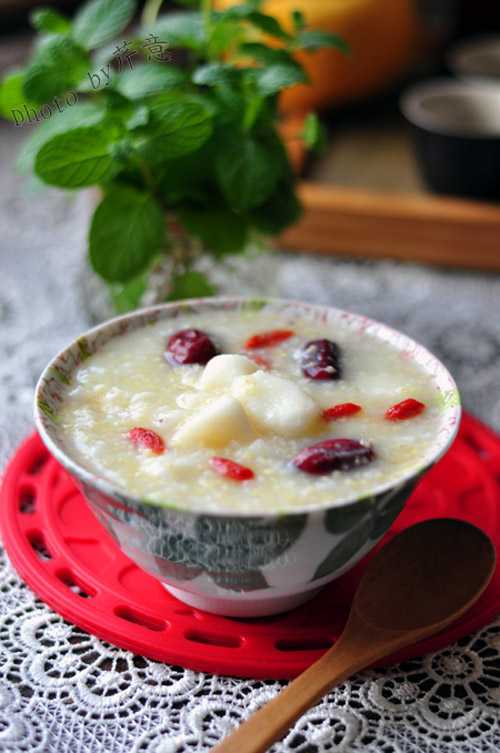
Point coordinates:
[(271, 722)]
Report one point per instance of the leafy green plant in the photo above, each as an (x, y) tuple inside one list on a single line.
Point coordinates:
[(185, 151)]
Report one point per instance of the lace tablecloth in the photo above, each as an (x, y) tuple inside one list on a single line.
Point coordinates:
[(63, 690)]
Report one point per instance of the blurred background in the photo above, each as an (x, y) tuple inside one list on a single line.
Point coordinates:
[(393, 43)]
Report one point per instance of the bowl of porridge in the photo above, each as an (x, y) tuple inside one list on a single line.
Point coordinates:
[(246, 452)]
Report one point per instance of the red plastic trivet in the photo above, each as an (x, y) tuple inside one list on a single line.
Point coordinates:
[(70, 561)]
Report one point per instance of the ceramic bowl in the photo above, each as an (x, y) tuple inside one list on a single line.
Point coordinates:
[(240, 565), (476, 59), (456, 132)]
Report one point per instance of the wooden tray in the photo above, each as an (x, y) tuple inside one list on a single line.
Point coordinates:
[(373, 224), (429, 229)]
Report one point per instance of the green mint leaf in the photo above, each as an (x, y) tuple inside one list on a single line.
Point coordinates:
[(220, 230), (58, 65), (250, 12), (13, 103), (47, 19), (81, 157), (280, 210), (274, 78), (298, 20), (191, 284), (99, 21), (127, 231), (266, 55), (127, 296), (214, 74), (189, 178), (231, 103), (253, 107), (138, 118), (105, 54), (117, 104), (224, 35), (180, 123), (241, 10), (315, 39), (121, 150), (148, 78), (246, 170), (311, 130), (180, 30), (80, 114), (268, 24)]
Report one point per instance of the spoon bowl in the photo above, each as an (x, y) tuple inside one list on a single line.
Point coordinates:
[(427, 576), (420, 582)]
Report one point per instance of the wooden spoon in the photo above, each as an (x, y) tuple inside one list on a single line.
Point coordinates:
[(418, 583)]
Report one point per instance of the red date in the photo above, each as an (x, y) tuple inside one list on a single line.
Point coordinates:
[(334, 455), (320, 360), (190, 346)]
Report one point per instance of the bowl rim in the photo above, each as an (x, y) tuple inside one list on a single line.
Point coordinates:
[(450, 424), (411, 105)]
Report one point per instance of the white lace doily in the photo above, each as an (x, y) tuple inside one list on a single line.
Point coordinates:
[(63, 690)]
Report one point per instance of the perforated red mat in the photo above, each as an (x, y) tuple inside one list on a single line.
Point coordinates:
[(62, 552)]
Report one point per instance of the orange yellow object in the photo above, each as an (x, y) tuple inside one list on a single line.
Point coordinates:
[(382, 34)]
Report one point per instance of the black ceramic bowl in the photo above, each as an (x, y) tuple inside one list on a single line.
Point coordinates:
[(456, 130), (476, 59)]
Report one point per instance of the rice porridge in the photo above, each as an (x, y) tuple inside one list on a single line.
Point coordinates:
[(250, 411)]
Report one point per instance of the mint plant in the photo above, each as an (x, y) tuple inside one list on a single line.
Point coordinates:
[(183, 146)]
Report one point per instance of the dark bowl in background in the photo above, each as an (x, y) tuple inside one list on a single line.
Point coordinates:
[(456, 134), (476, 59)]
